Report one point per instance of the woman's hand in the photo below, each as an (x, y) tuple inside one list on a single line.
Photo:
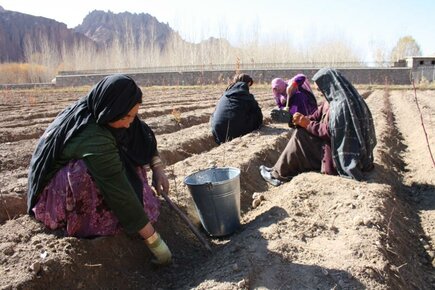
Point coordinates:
[(283, 100), (301, 120), (160, 180), (160, 250), (290, 90)]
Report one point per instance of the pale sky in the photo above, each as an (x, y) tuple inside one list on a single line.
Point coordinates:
[(363, 24)]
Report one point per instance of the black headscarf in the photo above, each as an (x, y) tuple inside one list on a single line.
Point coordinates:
[(351, 125), (241, 78), (110, 100), (236, 114)]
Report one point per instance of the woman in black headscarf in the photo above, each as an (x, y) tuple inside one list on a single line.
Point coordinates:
[(237, 112), (338, 138), (88, 172)]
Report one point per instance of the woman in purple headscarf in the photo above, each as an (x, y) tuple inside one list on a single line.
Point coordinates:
[(338, 138), (300, 96)]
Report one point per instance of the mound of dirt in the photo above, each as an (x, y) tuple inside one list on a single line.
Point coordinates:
[(314, 232)]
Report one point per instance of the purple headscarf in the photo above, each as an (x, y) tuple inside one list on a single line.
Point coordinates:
[(279, 87), (305, 84), (302, 97)]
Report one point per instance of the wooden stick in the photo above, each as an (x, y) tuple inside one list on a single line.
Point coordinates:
[(288, 98), (286, 104), (186, 219)]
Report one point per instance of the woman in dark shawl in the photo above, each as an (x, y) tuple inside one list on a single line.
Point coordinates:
[(88, 172), (338, 138), (237, 112)]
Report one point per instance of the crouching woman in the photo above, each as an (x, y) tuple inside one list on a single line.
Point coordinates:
[(237, 113), (88, 173), (338, 138)]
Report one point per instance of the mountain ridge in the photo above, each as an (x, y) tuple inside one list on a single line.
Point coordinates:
[(23, 34)]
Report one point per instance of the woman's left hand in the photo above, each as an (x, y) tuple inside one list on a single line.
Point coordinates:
[(160, 180)]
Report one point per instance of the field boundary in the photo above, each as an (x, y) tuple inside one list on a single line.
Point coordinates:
[(393, 76)]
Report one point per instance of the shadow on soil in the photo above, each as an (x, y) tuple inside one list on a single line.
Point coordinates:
[(238, 259)]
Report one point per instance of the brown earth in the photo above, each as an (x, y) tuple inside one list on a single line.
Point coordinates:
[(314, 232)]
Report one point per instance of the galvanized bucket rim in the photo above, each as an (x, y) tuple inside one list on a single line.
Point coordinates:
[(214, 182)]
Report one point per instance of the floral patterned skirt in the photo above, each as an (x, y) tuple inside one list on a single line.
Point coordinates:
[(73, 202)]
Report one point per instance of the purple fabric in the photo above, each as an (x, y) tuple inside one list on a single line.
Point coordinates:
[(299, 101), (279, 87), (302, 81), (72, 201)]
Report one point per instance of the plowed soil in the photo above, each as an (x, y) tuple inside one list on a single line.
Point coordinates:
[(314, 232)]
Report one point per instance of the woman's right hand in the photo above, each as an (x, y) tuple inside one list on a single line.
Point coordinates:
[(301, 120), (160, 250), (156, 245)]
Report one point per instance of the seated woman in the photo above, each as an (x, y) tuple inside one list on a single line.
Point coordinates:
[(338, 138), (300, 96), (88, 174), (237, 112)]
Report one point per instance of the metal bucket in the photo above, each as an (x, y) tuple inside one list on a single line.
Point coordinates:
[(216, 194)]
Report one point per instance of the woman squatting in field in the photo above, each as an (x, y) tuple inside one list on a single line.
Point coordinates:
[(88, 174), (338, 138), (298, 91), (237, 112)]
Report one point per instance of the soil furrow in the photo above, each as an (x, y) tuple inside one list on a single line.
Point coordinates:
[(180, 145), (419, 170), (149, 112), (21, 134), (314, 232), (401, 236), (237, 153), (173, 123)]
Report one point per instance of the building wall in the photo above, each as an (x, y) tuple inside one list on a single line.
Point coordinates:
[(424, 73), (416, 62), (397, 76), (423, 68)]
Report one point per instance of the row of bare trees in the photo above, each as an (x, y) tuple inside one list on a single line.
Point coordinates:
[(178, 52), (45, 60)]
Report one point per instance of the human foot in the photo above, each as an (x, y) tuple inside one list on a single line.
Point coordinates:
[(265, 168), (269, 178)]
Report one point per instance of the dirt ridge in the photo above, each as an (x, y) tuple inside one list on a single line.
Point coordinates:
[(314, 232)]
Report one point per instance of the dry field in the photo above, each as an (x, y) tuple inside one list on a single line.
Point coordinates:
[(315, 232)]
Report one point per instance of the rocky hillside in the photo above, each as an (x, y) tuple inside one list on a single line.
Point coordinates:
[(127, 28), (19, 32), (23, 33)]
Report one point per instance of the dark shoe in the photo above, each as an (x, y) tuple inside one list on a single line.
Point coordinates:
[(269, 178), (266, 168)]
